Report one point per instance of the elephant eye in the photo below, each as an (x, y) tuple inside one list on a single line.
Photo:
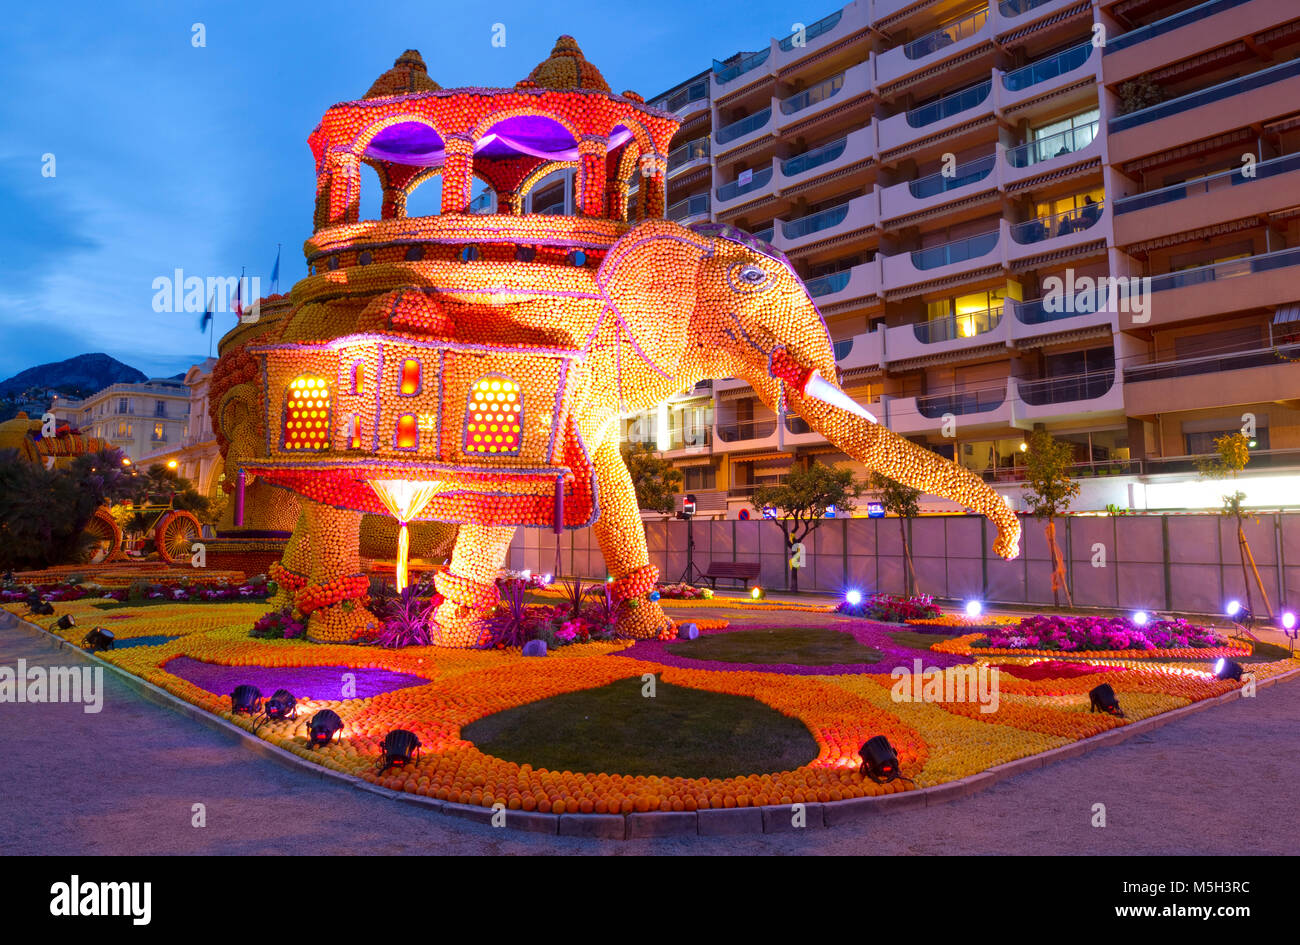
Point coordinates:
[(752, 275)]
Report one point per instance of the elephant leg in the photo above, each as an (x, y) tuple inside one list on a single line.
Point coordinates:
[(468, 587), (331, 598), (621, 536), (291, 571)]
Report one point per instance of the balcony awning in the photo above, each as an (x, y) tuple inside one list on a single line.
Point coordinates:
[(1288, 315), (684, 461), (1189, 236), (769, 458), (1080, 10), (735, 393), (1188, 150)]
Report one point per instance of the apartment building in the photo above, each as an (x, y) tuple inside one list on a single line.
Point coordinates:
[(952, 177), (195, 455), (139, 419)]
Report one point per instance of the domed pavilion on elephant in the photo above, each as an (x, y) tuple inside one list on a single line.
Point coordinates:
[(470, 368)]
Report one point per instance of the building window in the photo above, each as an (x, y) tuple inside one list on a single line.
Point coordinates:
[(699, 478), (407, 436), (121, 405), (409, 384), (160, 408), (1202, 444), (494, 417), (358, 377), (354, 432), (123, 428), (158, 432), (307, 414)]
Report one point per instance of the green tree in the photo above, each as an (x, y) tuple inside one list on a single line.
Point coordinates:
[(904, 502), (1048, 491), (159, 485), (1232, 453), (802, 500), (656, 481)]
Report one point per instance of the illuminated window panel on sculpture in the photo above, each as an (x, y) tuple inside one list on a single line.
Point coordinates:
[(354, 432), (358, 373), (494, 417), (408, 384), (307, 414), (407, 434)]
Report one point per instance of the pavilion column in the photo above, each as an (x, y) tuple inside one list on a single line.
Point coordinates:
[(338, 191), (394, 206), (457, 174), (651, 194), (591, 175)]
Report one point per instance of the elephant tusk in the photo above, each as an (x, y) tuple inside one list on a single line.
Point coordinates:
[(818, 387)]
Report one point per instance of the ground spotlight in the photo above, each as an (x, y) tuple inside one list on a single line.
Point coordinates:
[(757, 593), (40, 607), (853, 598), (974, 608), (282, 705), (879, 760), (1103, 700), (398, 748), (246, 700), (1140, 618), (1288, 622), (1227, 669), (66, 622), (97, 639), (322, 728), (546, 579)]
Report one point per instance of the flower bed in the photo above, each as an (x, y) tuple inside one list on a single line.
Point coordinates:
[(891, 609), (976, 644)]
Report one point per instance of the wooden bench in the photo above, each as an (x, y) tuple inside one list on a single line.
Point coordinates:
[(743, 571)]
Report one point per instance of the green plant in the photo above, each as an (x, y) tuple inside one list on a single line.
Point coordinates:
[(804, 498), (655, 479), (1048, 491), (1232, 454), (905, 503)]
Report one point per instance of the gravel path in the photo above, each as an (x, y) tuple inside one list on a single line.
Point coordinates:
[(124, 781)]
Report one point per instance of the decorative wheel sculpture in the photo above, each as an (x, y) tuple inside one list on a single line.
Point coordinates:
[(174, 535), (104, 536)]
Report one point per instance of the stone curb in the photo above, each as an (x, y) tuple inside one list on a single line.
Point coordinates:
[(651, 824)]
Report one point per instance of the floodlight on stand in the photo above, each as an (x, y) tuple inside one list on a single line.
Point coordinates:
[(322, 728), (99, 638), (246, 700), (757, 593), (1140, 618), (398, 749), (280, 706), (879, 760), (853, 597), (1227, 669), (66, 622), (974, 608)]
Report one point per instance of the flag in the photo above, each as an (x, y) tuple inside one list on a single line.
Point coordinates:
[(206, 318), (275, 272), (239, 297)]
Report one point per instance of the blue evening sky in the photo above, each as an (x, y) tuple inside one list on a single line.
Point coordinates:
[(169, 156)]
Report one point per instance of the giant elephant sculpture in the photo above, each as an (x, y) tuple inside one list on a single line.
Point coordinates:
[(486, 388)]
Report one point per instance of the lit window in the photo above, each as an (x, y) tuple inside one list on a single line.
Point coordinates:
[(358, 377), (494, 417), (307, 414), (407, 437), (354, 432), (410, 383)]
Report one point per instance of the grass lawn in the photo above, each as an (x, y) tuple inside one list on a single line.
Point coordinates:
[(158, 601), (800, 646), (920, 641), (681, 732)]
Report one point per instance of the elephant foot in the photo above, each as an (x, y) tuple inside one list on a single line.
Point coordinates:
[(346, 622), (639, 616), (460, 620)]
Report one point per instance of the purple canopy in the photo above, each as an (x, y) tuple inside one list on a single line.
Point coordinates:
[(416, 144)]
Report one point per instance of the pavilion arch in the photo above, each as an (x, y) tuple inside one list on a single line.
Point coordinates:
[(365, 139)]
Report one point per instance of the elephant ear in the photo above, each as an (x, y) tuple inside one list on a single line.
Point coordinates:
[(650, 279)]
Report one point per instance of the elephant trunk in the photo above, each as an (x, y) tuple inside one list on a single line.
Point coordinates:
[(830, 411)]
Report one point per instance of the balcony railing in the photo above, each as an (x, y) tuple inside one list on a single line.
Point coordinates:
[(1169, 23), (969, 173), (1218, 272), (698, 92), (812, 223), (1063, 390), (1019, 7), (842, 348), (757, 181), (949, 105), (966, 325), (765, 234), (690, 151), (934, 406), (1041, 311), (824, 25), (1052, 146), (1212, 364), (825, 285), (1259, 459), (1205, 185), (961, 29), (814, 158), (820, 92), (1207, 96), (690, 207), (957, 251), (738, 129), (746, 430), (1061, 224), (725, 73), (1048, 68)]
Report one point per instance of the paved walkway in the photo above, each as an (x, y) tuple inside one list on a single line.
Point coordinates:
[(124, 781)]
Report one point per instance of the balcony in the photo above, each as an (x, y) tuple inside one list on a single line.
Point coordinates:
[(962, 332), (1218, 198), (722, 74), (1169, 23), (949, 105), (746, 430), (1049, 315), (690, 155), (1259, 376), (922, 193), (826, 159), (935, 262), (921, 53), (1201, 114), (864, 350), (984, 408), (966, 325), (847, 86), (486, 202), (1014, 8), (823, 91), (1190, 33), (685, 102), (1059, 231), (855, 214), (946, 113), (1264, 281), (739, 132), (692, 209), (931, 43), (795, 43), (1053, 152), (749, 184), (1056, 391), (859, 282), (1065, 66)]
